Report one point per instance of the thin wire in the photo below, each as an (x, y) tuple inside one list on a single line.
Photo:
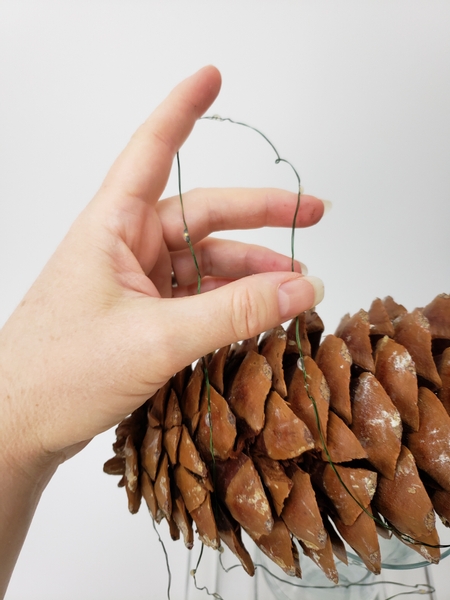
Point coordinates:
[(194, 577), (278, 160), (187, 239), (186, 236), (169, 572), (418, 588)]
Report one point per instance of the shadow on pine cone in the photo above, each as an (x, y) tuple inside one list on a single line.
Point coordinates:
[(239, 444)]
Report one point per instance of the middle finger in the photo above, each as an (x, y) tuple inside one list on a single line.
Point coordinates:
[(209, 210)]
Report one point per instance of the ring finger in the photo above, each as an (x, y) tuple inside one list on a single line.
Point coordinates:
[(227, 259)]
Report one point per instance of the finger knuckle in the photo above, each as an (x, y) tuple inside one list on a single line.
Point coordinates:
[(247, 314)]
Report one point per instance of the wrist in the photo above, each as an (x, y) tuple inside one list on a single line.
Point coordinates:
[(24, 473), (22, 456)]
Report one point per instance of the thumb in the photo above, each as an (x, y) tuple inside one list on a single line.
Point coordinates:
[(237, 311)]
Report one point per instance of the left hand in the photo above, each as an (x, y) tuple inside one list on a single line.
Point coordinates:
[(99, 331)]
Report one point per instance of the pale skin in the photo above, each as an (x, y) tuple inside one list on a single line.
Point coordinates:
[(93, 337)]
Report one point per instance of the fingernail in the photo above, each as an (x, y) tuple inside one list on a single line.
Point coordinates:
[(318, 288), (304, 268), (327, 206), (300, 267), (294, 295)]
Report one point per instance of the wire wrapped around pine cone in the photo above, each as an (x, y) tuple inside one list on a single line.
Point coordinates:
[(318, 448)]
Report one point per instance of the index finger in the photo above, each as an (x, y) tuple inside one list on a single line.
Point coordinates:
[(142, 169)]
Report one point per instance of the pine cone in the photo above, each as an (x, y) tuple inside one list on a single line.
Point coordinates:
[(322, 447)]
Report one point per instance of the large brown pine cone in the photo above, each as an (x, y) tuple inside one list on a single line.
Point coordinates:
[(257, 437)]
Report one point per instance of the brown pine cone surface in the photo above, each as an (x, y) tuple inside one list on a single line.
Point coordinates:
[(314, 448)]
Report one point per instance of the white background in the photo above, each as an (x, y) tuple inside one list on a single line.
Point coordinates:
[(355, 94)]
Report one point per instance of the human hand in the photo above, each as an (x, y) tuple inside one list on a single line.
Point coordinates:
[(102, 328)]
